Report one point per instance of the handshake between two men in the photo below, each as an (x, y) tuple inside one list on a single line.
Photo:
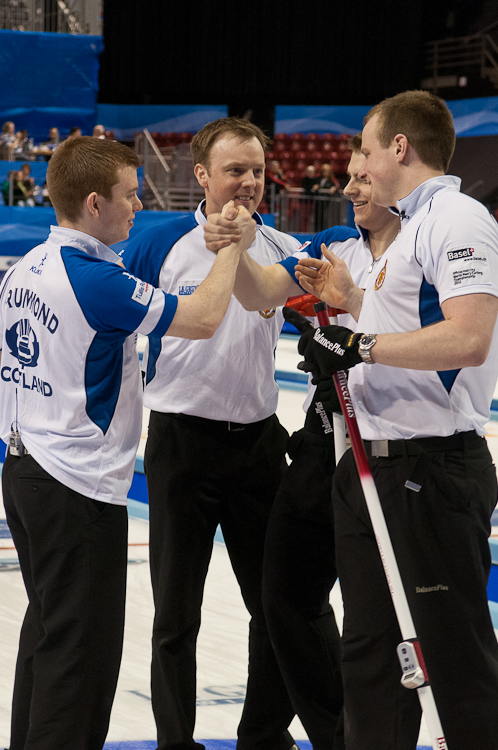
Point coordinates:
[(326, 349)]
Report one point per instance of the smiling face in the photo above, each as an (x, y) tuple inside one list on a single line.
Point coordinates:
[(366, 213), (116, 215), (380, 167), (236, 171)]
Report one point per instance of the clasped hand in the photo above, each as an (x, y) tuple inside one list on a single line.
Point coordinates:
[(233, 225)]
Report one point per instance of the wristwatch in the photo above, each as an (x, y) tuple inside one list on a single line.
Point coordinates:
[(365, 345)]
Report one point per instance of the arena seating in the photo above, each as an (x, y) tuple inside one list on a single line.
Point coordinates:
[(294, 151), (297, 150)]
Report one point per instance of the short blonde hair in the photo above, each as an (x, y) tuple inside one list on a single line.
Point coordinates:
[(81, 166), (424, 119), (203, 141)]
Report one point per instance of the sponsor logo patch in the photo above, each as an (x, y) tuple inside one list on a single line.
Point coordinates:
[(143, 292), (466, 252), (469, 266), (184, 290)]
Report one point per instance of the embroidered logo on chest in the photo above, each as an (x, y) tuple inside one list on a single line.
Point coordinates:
[(381, 277), (268, 313)]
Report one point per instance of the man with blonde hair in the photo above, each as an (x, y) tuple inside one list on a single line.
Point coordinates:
[(422, 384), (215, 451), (71, 414)]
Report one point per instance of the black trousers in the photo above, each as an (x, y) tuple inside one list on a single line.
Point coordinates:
[(299, 573), (73, 557), (201, 474), (440, 539)]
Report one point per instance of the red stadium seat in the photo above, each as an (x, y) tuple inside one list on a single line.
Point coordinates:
[(293, 178), (296, 145)]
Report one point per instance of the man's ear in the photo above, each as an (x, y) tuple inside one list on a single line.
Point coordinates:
[(202, 175), (92, 204), (401, 146)]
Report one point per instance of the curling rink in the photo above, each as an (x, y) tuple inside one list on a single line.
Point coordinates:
[(222, 643)]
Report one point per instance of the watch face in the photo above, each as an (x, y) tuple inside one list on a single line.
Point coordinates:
[(367, 341)]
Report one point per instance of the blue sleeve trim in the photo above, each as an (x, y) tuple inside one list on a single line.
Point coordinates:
[(290, 266), (105, 292), (333, 234), (167, 315), (144, 255)]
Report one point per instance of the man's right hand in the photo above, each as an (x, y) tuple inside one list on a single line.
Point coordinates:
[(330, 281)]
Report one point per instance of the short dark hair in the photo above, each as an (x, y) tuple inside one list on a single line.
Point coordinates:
[(203, 141), (354, 143), (81, 166), (424, 119)]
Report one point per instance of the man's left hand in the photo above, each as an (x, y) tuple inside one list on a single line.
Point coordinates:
[(328, 349)]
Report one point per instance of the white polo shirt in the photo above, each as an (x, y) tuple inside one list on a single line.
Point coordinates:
[(69, 371), (447, 247), (229, 377)]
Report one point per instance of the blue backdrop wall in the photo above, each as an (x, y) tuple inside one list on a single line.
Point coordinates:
[(49, 80)]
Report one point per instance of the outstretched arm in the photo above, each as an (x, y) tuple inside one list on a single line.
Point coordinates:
[(199, 315), (256, 287), (330, 281), (462, 339)]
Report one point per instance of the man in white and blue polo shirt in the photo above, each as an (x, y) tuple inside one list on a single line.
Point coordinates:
[(422, 388), (71, 414), (215, 450)]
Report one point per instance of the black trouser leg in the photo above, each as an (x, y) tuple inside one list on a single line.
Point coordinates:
[(200, 475), (299, 574), (440, 539), (73, 557)]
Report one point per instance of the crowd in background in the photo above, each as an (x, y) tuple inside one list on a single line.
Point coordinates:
[(19, 188)]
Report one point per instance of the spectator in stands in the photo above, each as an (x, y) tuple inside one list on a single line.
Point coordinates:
[(47, 148), (23, 150), (327, 185), (23, 187), (8, 141), (98, 132), (327, 180), (310, 181), (275, 182), (74, 132), (9, 136), (309, 184)]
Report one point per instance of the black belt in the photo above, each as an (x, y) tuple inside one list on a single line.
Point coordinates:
[(219, 424), (412, 447), (419, 447)]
